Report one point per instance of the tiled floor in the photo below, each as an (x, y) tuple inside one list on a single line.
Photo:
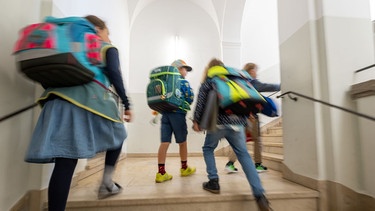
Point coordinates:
[(137, 177)]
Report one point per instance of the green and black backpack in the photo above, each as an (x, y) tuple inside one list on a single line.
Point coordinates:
[(163, 90)]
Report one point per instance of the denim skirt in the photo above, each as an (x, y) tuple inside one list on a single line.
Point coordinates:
[(64, 130)]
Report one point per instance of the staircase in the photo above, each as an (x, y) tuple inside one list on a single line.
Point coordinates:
[(272, 141), (141, 193)]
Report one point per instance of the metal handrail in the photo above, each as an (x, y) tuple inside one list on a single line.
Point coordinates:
[(273, 93), (325, 103), (17, 112), (365, 68)]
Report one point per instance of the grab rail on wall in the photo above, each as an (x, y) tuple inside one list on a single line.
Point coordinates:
[(291, 93), (18, 112), (365, 68)]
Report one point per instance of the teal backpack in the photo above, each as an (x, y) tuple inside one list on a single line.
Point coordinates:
[(235, 93), (60, 52), (163, 90)]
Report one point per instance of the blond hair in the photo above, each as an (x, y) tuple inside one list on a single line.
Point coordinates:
[(249, 66)]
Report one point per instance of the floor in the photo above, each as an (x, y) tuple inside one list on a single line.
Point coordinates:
[(137, 177)]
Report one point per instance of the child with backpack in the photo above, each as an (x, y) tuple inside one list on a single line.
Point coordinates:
[(174, 122), (78, 122), (252, 68), (231, 127)]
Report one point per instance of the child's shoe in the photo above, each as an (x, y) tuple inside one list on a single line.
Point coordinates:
[(188, 171), (263, 203), (260, 168), (212, 185), (229, 168), (105, 192), (163, 177)]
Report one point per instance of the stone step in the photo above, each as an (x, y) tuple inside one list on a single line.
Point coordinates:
[(275, 131), (272, 161), (93, 166), (276, 148), (271, 138), (141, 193)]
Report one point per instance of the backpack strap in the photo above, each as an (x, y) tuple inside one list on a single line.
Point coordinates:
[(104, 50)]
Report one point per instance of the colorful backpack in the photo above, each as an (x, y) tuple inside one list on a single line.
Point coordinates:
[(235, 93), (60, 52), (163, 90), (268, 108)]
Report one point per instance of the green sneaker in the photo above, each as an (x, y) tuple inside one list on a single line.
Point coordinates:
[(229, 168), (260, 168), (163, 177), (188, 171)]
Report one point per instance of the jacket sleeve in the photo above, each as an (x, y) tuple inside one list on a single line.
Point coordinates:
[(201, 101), (265, 87), (113, 72), (187, 91)]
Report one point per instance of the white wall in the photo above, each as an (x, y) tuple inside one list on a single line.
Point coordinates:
[(152, 39), (260, 44), (16, 92), (318, 58), (366, 144)]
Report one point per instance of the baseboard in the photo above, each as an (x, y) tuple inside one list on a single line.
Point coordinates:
[(32, 200), (332, 195)]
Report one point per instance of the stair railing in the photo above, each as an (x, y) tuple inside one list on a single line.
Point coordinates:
[(365, 68), (18, 112), (290, 93), (273, 93)]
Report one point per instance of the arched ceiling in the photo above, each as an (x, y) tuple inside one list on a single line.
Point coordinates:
[(226, 14), (136, 6)]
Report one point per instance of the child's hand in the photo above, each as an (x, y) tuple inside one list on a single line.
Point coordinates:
[(128, 116), (196, 127)]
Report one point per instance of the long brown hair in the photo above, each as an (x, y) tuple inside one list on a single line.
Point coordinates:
[(96, 21)]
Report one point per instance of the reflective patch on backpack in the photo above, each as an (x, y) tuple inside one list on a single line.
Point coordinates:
[(93, 47), (36, 36)]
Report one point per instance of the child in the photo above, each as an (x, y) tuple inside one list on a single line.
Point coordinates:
[(252, 68), (230, 127), (175, 122)]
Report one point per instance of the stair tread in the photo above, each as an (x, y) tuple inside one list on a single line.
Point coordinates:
[(273, 155), (271, 135), (137, 176), (271, 144)]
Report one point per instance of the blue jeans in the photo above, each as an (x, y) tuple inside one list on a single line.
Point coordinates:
[(236, 139)]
